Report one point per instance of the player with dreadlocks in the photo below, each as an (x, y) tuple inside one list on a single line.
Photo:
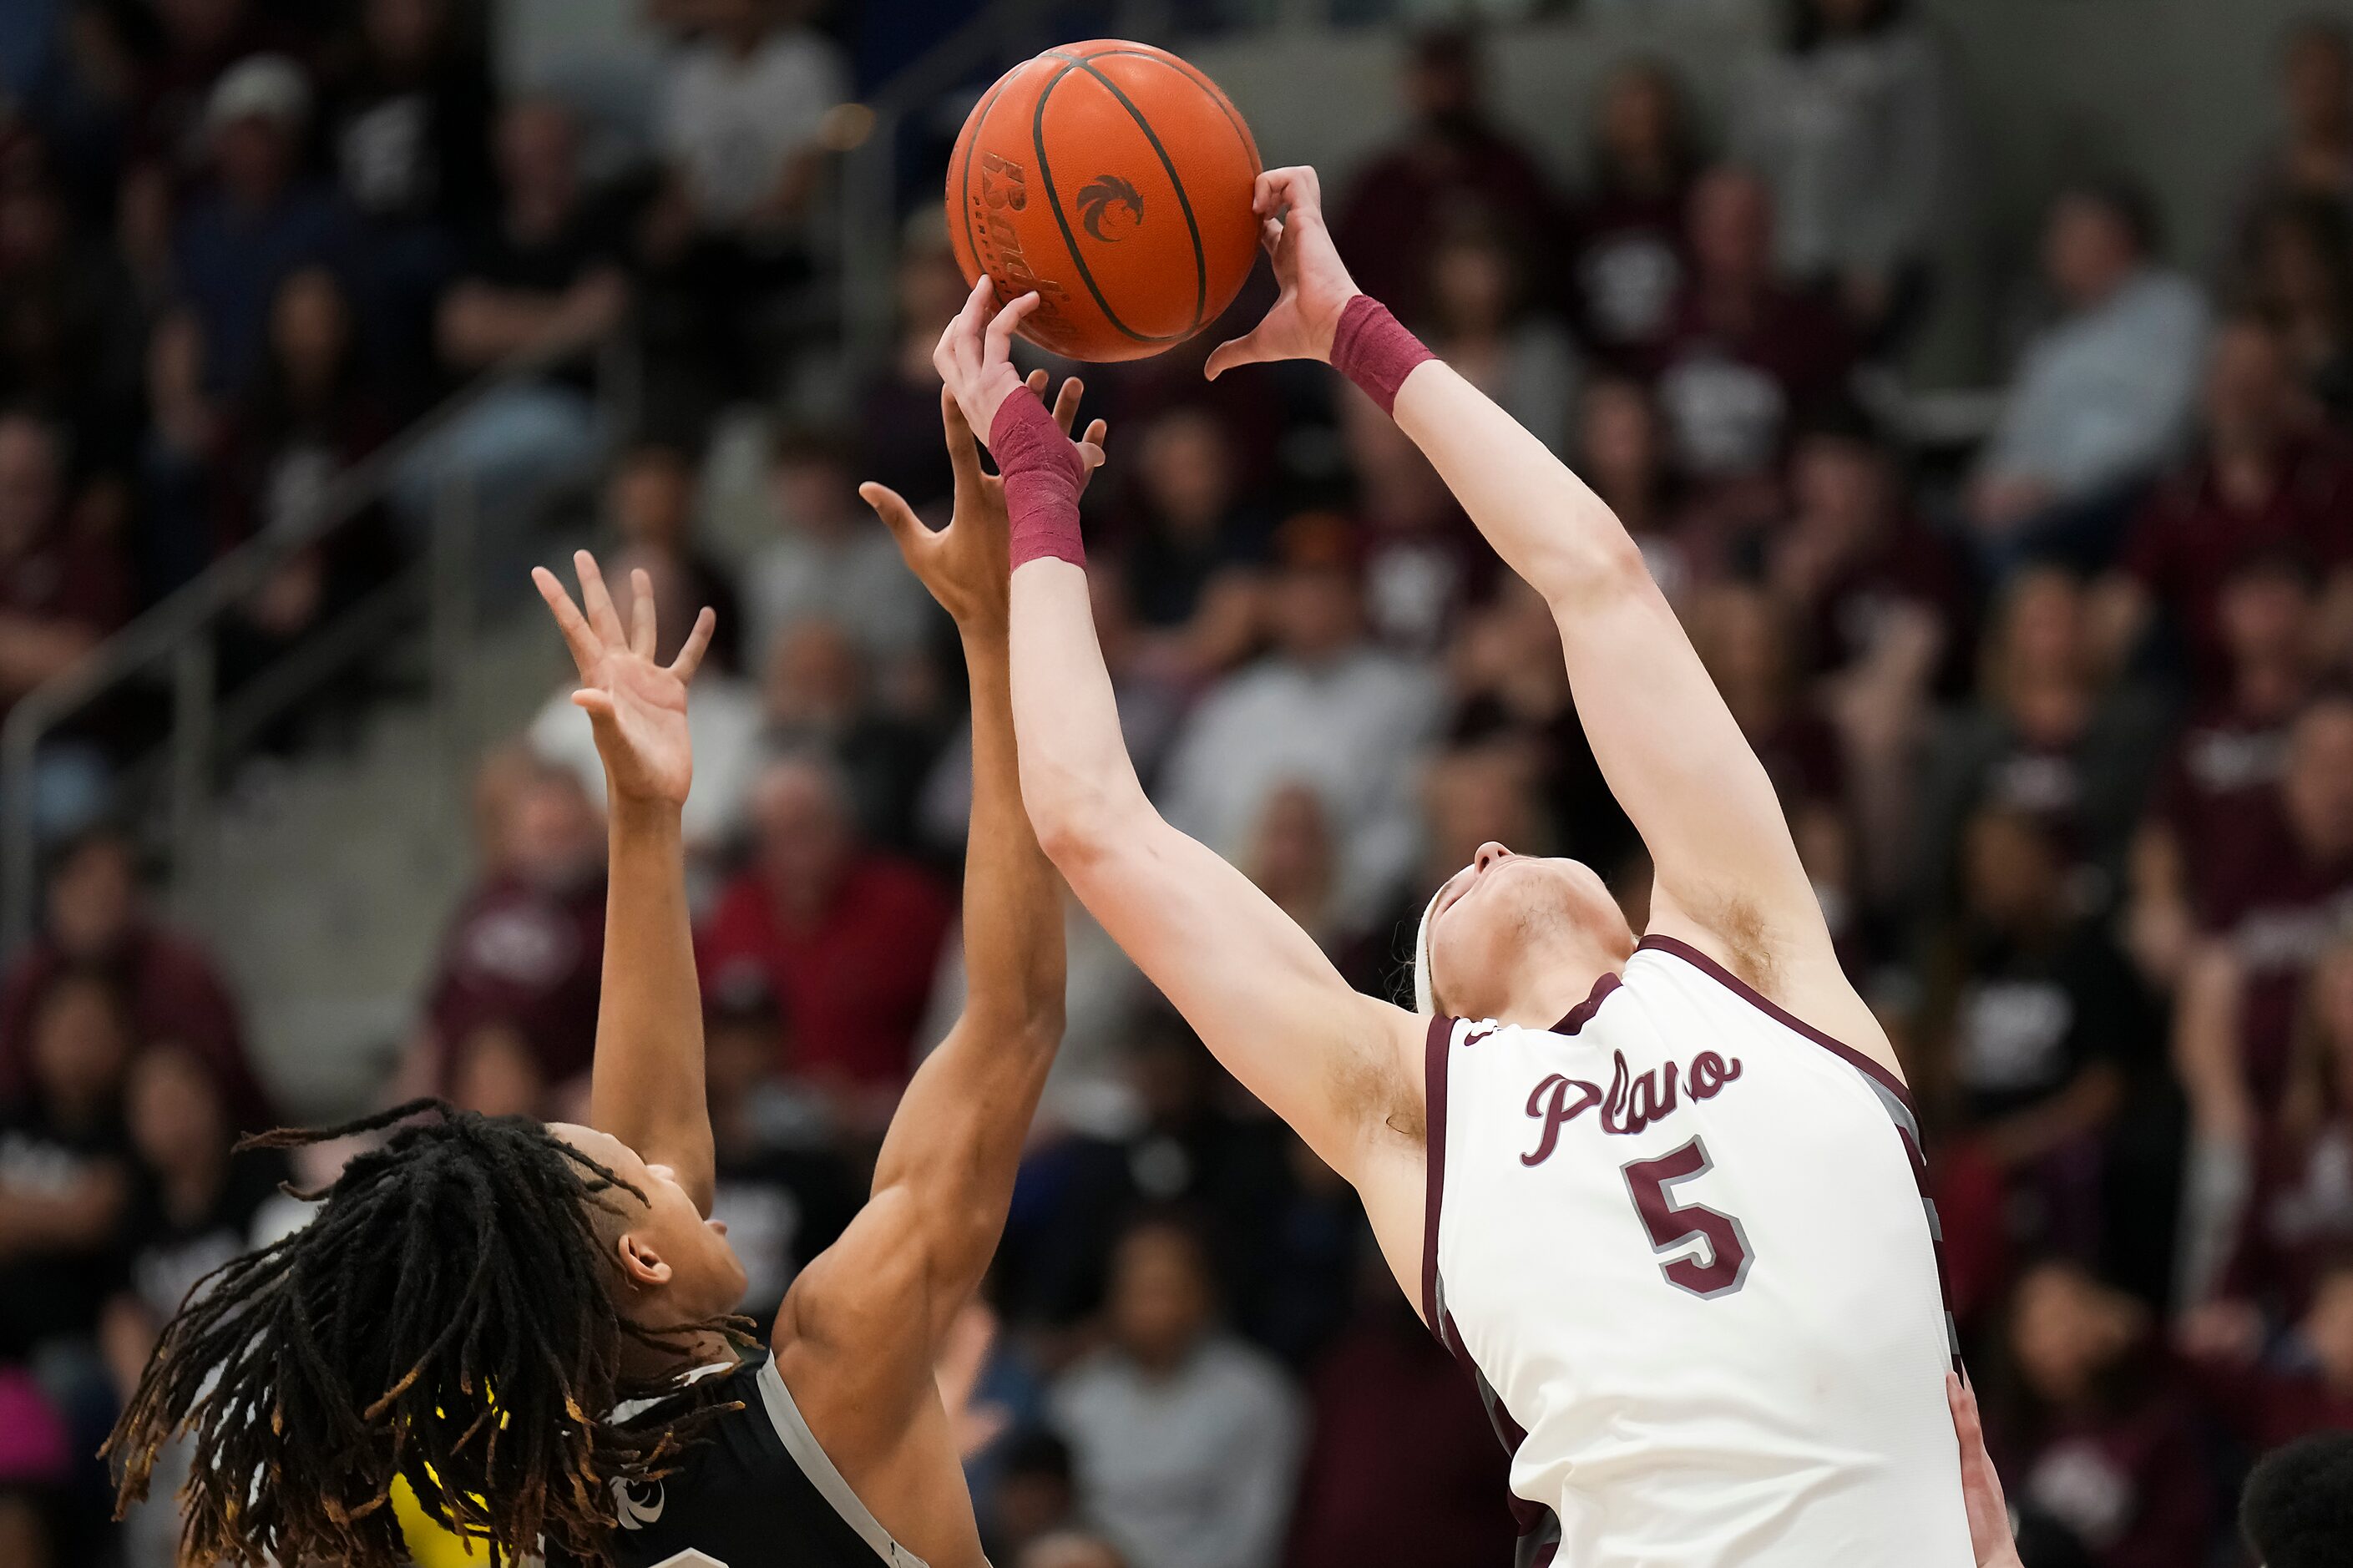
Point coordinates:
[(531, 1325)]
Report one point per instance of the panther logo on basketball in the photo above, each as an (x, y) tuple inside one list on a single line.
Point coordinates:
[(1111, 208)]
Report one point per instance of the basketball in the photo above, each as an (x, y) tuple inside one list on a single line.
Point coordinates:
[(1114, 180)]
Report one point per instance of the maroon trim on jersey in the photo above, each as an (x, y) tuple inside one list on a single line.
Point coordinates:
[(1782, 1015), (1441, 1035), (1582, 1014)]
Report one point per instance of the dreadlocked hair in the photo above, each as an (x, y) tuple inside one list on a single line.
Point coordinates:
[(446, 1317)]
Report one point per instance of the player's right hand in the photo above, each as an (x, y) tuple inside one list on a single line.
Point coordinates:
[(637, 706), (1315, 285), (974, 355)]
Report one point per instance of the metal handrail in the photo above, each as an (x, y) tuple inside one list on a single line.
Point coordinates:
[(172, 629)]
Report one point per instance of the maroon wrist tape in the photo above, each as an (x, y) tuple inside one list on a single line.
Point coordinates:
[(1372, 350), (1043, 475)]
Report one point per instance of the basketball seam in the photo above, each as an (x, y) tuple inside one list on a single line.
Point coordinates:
[(1069, 240), (1194, 74)]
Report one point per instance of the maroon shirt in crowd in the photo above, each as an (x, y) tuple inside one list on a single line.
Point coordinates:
[(1729, 392), (2300, 1220), (855, 982), (2131, 1487), (68, 580), (1626, 271), (1395, 213), (2277, 908), (527, 957), (1910, 565), (2216, 790), (2188, 539), (2267, 1406), (1367, 1500), (175, 995)]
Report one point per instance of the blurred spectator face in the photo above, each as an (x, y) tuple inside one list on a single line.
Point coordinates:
[(1732, 228), (1034, 1497), (538, 154), (2330, 999), (32, 223), (2327, 1326), (2088, 249), (1291, 853), (2041, 631), (310, 326), (1840, 484), (811, 485), (740, 1050), (2318, 786), (815, 677), (2302, 266), (30, 485), (1185, 466), (81, 1045), (2318, 80), (1173, 1075), (253, 154), (24, 1532), (494, 1072), (2251, 395), (2010, 873), (1070, 1549), (1441, 84), (1319, 612), (1741, 639), (802, 830), (554, 833), (403, 33), (1474, 283), (1476, 794), (1619, 437), (2066, 1329), (653, 497), (2267, 613), (173, 1106), (1160, 1299), (94, 898), (1641, 127)]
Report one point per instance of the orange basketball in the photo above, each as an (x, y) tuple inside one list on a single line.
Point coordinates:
[(1114, 180)]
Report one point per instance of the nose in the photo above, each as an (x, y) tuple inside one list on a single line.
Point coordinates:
[(1489, 854)]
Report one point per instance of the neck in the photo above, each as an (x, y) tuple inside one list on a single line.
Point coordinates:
[(1549, 992)]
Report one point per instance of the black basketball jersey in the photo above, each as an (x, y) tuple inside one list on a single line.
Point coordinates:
[(757, 1492)]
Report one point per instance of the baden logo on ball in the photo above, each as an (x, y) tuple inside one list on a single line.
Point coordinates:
[(1111, 208)]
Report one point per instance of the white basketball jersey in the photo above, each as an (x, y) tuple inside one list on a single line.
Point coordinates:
[(1681, 1239)]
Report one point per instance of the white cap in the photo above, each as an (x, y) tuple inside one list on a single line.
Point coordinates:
[(267, 87)]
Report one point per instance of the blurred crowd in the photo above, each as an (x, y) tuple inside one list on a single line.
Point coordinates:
[(2060, 714)]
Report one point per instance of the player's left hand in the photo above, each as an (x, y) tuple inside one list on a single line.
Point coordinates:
[(637, 706), (965, 564)]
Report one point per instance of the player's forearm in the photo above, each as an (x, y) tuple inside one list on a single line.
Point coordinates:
[(647, 1085), (1012, 900), (1077, 780)]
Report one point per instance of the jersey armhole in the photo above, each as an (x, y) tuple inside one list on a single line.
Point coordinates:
[(801, 1445), (1434, 1074)]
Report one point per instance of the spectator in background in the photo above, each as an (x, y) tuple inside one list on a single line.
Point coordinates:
[(97, 917), (1186, 1442), (1368, 1500), (1193, 544), (2100, 395), (196, 43), (650, 499), (524, 948), (2049, 737), (1626, 263), (1483, 323), (65, 1166), (2265, 482), (1452, 157), (2305, 1386), (2315, 157), (1035, 1500), (2034, 1019), (407, 125), (2298, 1503), (493, 1071), (71, 327), (783, 1193), (2269, 917), (1846, 123), (1744, 352), (2301, 281), (2098, 1445), (1325, 708), (846, 937), (61, 591), (831, 559), (818, 698), (893, 413), (2217, 784), (1424, 564), (544, 271), (2301, 1216), (1069, 1549), (260, 221)]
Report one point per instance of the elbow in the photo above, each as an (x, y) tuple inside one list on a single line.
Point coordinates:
[(1076, 819), (1580, 575)]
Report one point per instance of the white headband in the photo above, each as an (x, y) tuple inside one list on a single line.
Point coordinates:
[(1424, 998)]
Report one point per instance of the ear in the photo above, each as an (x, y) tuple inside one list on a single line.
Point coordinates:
[(641, 1265)]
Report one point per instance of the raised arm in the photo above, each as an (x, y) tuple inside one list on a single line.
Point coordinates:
[(1341, 1068), (646, 1087), (1728, 877)]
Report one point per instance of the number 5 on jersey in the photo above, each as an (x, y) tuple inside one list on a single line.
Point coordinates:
[(1672, 1225)]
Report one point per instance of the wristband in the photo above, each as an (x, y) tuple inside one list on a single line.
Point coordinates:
[(1043, 475), (1372, 350)]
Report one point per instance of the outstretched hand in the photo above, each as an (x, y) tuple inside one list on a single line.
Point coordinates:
[(637, 706), (963, 564), (975, 358), (1315, 285)]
